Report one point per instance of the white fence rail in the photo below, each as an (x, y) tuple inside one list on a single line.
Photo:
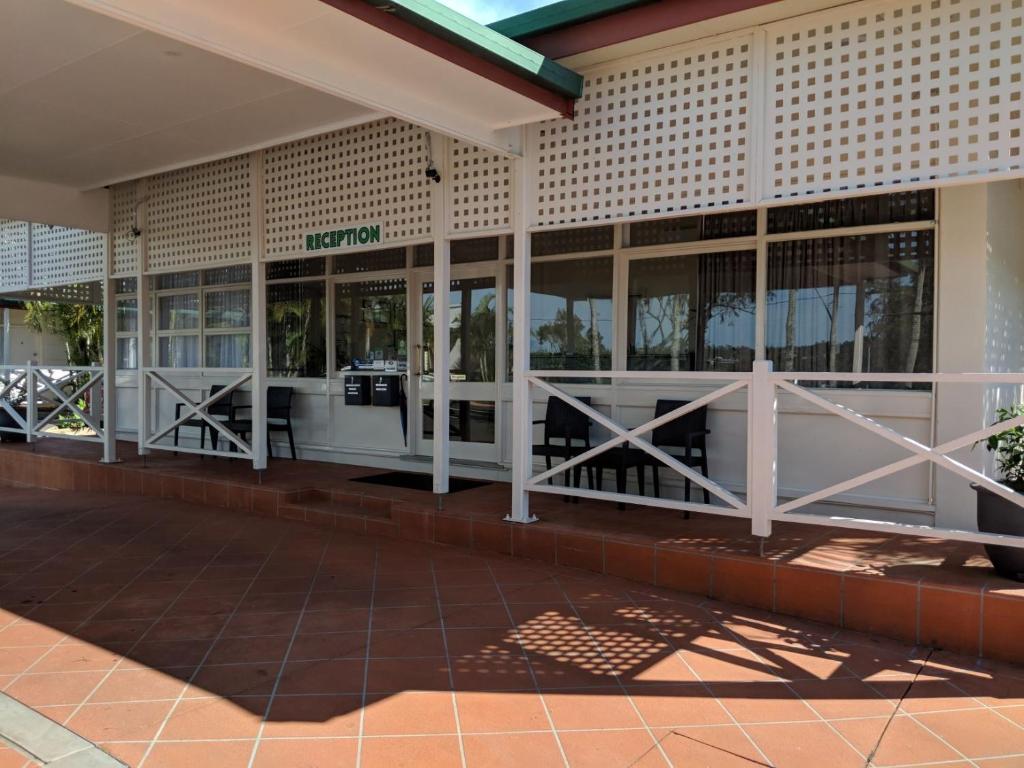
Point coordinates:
[(52, 401), (760, 503), (191, 413)]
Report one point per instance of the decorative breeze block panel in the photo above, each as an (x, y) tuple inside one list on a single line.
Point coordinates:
[(663, 135), (367, 173), (13, 254), (63, 256), (887, 93), (481, 189), (200, 216), (126, 247)]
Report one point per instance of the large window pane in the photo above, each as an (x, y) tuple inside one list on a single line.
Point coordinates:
[(227, 350), (860, 304), (227, 309), (127, 315), (297, 330), (691, 313), (370, 325), (472, 314), (127, 354), (179, 351), (179, 313), (571, 314), (469, 421)]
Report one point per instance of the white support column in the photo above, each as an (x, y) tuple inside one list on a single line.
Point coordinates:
[(258, 345), (762, 449), (109, 365), (258, 322), (522, 407), (5, 358), (31, 403), (442, 319), (144, 324)]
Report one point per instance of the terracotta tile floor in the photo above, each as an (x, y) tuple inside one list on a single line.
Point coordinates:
[(178, 635)]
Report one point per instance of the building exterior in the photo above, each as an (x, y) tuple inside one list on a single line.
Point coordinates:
[(691, 190)]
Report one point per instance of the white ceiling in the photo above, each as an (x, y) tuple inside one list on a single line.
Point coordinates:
[(86, 100)]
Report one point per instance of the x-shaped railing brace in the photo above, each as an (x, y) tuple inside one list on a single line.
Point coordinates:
[(922, 452), (199, 410), (69, 401), (632, 436), (5, 403)]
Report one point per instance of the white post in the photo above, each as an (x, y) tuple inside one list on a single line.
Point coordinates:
[(442, 319), (258, 345), (109, 367), (30, 403), (144, 314), (522, 408), (762, 449), (6, 345)]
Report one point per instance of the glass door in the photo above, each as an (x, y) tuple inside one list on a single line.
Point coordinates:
[(473, 312)]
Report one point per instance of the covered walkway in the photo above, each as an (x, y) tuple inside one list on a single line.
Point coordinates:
[(172, 635)]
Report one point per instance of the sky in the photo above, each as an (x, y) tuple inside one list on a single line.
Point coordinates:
[(486, 11)]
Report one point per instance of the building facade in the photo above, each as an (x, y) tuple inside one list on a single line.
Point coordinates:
[(831, 189)]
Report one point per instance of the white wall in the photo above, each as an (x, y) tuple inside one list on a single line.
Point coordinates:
[(26, 344)]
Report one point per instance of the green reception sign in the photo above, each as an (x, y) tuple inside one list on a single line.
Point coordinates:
[(342, 239)]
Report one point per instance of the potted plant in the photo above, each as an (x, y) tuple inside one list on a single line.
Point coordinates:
[(997, 514)]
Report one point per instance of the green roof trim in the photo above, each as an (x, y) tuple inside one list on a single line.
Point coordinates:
[(493, 46), (561, 14)]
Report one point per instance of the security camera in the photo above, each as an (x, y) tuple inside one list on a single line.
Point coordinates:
[(432, 173)]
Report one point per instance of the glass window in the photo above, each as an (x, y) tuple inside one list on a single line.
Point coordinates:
[(371, 261), (227, 350), (177, 281), (571, 316), (227, 309), (576, 240), (853, 212), (469, 421), (127, 315), (293, 268), (179, 312), (685, 229), (125, 285), (297, 329), (692, 313), (472, 315), (370, 325), (227, 275), (862, 303), (179, 351), (127, 353)]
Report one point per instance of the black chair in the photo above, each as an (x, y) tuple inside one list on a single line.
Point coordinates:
[(566, 434), (222, 410), (689, 433), (279, 418), (621, 459)]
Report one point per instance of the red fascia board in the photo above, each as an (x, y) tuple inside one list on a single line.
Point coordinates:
[(632, 24), (413, 35)]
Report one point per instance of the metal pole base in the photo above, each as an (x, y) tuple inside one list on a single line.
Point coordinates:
[(112, 461), (531, 519)]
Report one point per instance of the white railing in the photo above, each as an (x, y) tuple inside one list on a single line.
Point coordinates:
[(760, 503), (37, 398), (153, 434)]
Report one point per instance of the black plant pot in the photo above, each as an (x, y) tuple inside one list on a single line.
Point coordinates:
[(999, 515), (7, 422)]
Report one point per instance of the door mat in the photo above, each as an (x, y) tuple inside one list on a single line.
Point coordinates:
[(418, 482)]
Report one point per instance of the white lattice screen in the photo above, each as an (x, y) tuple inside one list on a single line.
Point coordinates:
[(13, 254), (62, 256), (481, 189), (884, 93), (200, 216), (370, 172), (665, 135), (123, 202)]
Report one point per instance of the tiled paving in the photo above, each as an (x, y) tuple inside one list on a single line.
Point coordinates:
[(174, 634), (914, 589)]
